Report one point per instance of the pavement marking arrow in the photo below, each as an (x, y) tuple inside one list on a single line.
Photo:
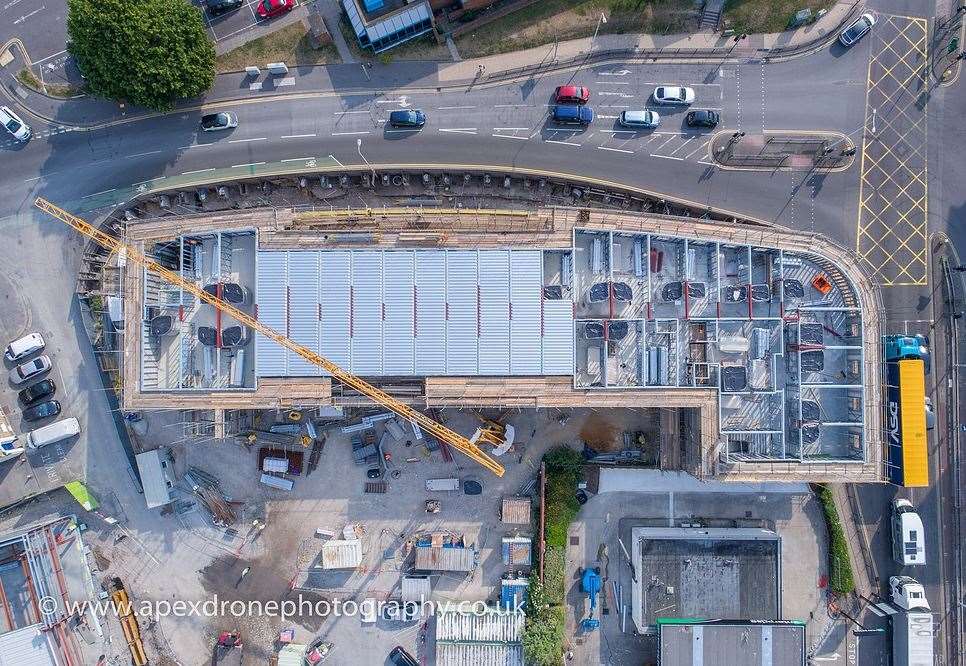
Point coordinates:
[(619, 72)]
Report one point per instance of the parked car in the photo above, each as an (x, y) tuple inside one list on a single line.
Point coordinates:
[(42, 410), (567, 114), (673, 95), (374, 473), (571, 95), (13, 124), (10, 448), (399, 657), (214, 122), (270, 8), (857, 30), (930, 414), (407, 118), (219, 7), (25, 346), (703, 118), (30, 369), (396, 611), (645, 119), (35, 392), (57, 431)]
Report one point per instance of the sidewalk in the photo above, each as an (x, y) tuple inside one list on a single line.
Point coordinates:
[(87, 112)]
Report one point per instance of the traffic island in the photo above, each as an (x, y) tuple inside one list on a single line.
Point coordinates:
[(793, 151)]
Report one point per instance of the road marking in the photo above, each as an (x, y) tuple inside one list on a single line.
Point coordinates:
[(610, 117), (509, 129), (28, 180), (96, 194), (711, 164), (511, 106), (461, 130), (332, 157), (188, 173), (195, 145), (238, 166), (669, 140), (509, 136), (563, 143), (261, 138), (398, 131), (27, 16), (614, 83), (401, 101), (54, 55), (703, 145), (346, 113), (668, 157), (452, 108), (298, 159), (618, 72), (349, 133), (682, 145), (150, 152), (616, 94), (615, 150), (297, 136), (287, 81)]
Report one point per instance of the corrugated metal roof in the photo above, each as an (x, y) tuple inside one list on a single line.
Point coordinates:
[(303, 317), (413, 312), (444, 559), (339, 554), (469, 654), (154, 477), (415, 588), (26, 647), (271, 292), (496, 627)]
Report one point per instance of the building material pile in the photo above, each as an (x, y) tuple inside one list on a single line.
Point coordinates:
[(206, 487)]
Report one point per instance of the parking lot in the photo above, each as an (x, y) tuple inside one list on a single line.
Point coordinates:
[(222, 27)]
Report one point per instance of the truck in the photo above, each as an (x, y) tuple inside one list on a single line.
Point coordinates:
[(908, 536), (912, 625), (907, 461)]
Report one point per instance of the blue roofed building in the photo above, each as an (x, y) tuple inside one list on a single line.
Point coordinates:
[(380, 25)]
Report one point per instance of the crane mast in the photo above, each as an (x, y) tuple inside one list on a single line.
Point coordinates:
[(434, 428)]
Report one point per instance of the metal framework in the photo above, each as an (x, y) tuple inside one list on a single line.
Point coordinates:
[(438, 430)]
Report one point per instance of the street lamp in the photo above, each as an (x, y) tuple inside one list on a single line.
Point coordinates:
[(359, 147), (602, 19), (590, 51)]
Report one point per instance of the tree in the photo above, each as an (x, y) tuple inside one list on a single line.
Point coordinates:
[(146, 52)]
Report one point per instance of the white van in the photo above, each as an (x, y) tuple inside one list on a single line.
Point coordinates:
[(54, 432), (908, 539)]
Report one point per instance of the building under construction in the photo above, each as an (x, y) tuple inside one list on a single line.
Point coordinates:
[(766, 340)]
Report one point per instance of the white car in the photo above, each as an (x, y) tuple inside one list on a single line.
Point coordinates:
[(857, 30), (10, 449), (30, 369), (13, 124), (673, 95), (25, 346), (216, 122)]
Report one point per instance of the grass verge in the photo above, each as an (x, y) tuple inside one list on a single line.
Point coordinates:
[(558, 20), (27, 78), (756, 16), (544, 634), (839, 565), (289, 45)]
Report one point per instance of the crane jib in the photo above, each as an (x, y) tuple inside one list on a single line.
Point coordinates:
[(377, 395)]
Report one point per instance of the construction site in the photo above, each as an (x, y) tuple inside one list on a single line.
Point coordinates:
[(765, 351)]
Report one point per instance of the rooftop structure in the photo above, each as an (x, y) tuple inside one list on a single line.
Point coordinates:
[(156, 471), (774, 346), (380, 25), (490, 638), (705, 573), (732, 642)]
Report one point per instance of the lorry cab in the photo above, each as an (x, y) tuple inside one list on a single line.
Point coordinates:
[(908, 537), (908, 594)]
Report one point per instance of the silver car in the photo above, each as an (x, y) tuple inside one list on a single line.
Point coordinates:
[(30, 369), (673, 95), (857, 30), (645, 119)]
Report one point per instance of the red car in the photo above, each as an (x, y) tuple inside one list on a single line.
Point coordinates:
[(270, 8), (572, 95)]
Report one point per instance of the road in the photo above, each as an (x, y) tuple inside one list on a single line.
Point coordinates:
[(878, 93)]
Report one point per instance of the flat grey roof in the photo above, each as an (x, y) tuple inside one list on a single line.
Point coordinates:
[(738, 644)]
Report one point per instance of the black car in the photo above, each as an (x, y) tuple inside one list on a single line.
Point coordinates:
[(703, 118), (216, 122), (409, 118), (217, 7), (399, 657), (374, 473), (35, 392), (42, 411)]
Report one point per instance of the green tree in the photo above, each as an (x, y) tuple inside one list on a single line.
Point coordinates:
[(543, 638), (145, 52)]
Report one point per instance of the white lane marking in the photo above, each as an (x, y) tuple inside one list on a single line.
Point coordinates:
[(331, 157), (53, 55), (401, 101), (669, 133), (682, 145), (346, 113), (461, 130), (669, 140), (27, 16), (348, 133), (711, 164), (702, 146), (617, 72), (615, 150), (509, 136), (150, 152), (610, 117), (238, 166), (195, 145), (614, 83), (298, 159), (28, 180), (261, 138), (453, 108), (399, 131), (668, 157), (562, 143), (616, 94), (297, 136), (188, 173), (88, 196), (511, 106), (11, 4), (509, 129)]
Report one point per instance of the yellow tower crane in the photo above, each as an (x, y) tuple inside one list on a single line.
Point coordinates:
[(437, 430)]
